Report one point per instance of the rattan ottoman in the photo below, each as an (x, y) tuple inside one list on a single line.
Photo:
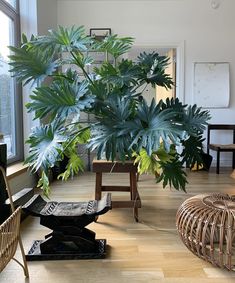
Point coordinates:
[(206, 225)]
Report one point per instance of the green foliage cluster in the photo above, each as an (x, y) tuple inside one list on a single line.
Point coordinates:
[(125, 125)]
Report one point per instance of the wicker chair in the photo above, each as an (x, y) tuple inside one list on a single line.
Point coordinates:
[(10, 234)]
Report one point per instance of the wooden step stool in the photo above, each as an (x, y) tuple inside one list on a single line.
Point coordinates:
[(104, 166)]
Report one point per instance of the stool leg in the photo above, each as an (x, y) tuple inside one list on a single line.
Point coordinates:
[(98, 188), (131, 192), (98, 185), (134, 194), (137, 176)]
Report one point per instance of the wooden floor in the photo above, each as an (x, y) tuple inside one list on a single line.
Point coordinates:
[(148, 251)]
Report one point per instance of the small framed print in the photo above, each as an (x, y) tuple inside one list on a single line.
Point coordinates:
[(100, 33)]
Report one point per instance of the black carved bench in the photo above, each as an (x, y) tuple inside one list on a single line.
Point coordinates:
[(69, 238)]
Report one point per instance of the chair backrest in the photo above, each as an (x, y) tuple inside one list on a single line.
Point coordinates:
[(230, 127), (10, 228), (9, 237), (5, 211)]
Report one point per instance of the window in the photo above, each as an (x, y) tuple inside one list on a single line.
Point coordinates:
[(13, 3), (10, 96)]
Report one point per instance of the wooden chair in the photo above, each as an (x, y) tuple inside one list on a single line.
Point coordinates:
[(10, 234), (221, 147)]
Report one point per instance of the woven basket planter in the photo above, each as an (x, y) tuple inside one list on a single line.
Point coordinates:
[(206, 225)]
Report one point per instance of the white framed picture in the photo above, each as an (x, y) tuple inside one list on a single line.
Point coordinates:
[(211, 88)]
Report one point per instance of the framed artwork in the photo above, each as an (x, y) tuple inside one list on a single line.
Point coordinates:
[(100, 33), (211, 88)]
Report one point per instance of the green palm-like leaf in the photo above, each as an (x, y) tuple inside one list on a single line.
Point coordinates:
[(151, 163), (65, 39), (100, 90), (107, 72), (62, 99), (43, 183), (108, 135), (80, 59), (174, 104), (153, 126), (191, 119), (146, 163), (117, 109), (114, 45), (83, 136), (45, 146), (195, 120), (31, 64), (189, 156), (75, 164), (153, 69), (104, 94), (109, 143), (173, 174), (124, 74)]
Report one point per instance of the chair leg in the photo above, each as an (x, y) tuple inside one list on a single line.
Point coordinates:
[(218, 162), (24, 266)]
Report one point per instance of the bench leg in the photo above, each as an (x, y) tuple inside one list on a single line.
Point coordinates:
[(218, 162)]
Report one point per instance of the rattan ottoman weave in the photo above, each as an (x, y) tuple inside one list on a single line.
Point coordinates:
[(206, 225)]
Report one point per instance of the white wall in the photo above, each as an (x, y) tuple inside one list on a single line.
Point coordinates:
[(24, 180), (207, 33), (47, 15)]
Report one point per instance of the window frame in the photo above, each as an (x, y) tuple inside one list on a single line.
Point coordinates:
[(13, 14)]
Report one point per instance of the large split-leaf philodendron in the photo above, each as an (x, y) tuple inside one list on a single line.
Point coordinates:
[(125, 125)]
